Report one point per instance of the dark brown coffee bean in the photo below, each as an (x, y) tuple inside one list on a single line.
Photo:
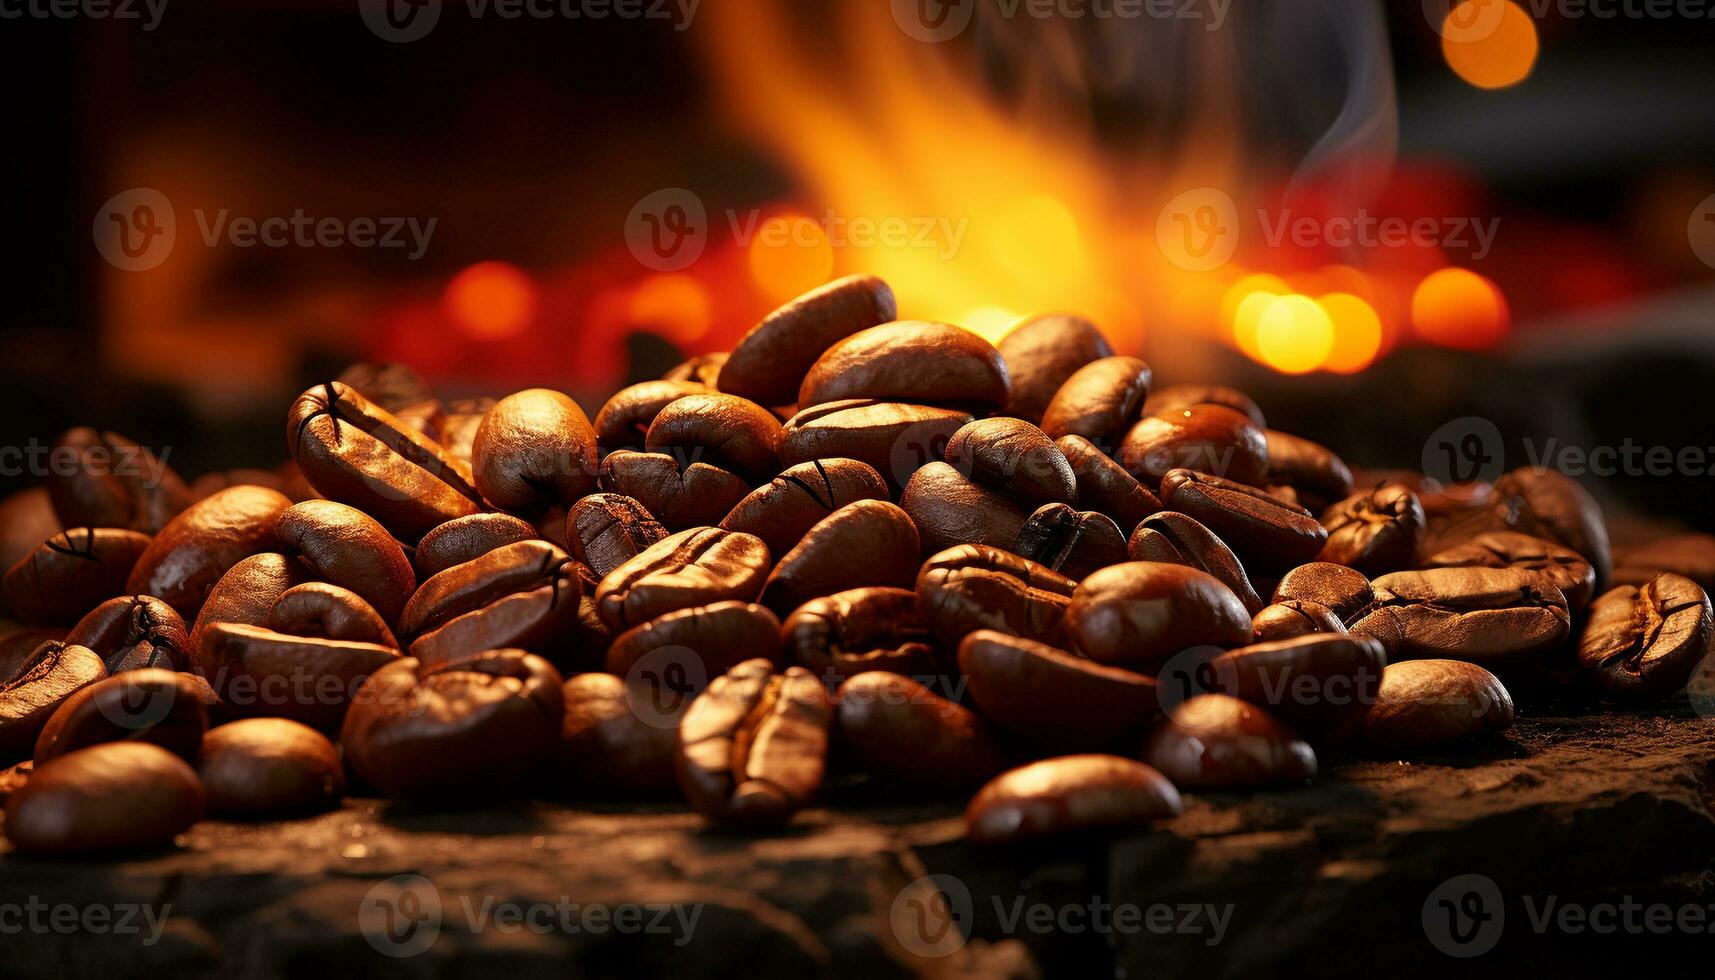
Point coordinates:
[(1105, 486), (698, 496), (1055, 698), (269, 767), (971, 587), (1538, 502), (1041, 353), (184, 561), (458, 430), (686, 648), (245, 595), (1266, 533), (400, 390), (120, 796), (347, 547), (1141, 613), (1177, 398), (721, 430), (785, 509), (1567, 569), (132, 632), (13, 778), (1375, 532), (524, 595), (71, 573), (1214, 742), (259, 673), (1435, 704), (26, 520), (909, 361), (326, 610), (950, 510), (766, 365), (754, 746), (1073, 794), (1100, 401), (624, 420), (468, 730), (905, 733), (695, 567), (1307, 467), (606, 530), (1690, 555), (848, 633), (608, 746), (467, 539), (160, 707), (1645, 641), (1322, 685), (31, 693), (1207, 439), (1179, 539), (1014, 457), (1072, 543), (704, 369), (1345, 590), (534, 448), (1492, 616), (16, 648), (892, 438), (114, 482), (1294, 618), (870, 542)]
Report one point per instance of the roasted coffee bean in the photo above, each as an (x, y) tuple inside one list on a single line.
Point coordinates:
[(608, 746), (722, 430), (1099, 402), (606, 530), (1179, 539), (464, 731), (1140, 613), (704, 369), (697, 496), (19, 647), (1307, 467), (909, 361), (892, 438), (550, 525), (1014, 457), (260, 673), (119, 796), (209, 484), (785, 509), (1322, 685), (399, 390), (971, 587), (1345, 590), (72, 572), (682, 650), (870, 542), (1567, 569), (950, 510), (1645, 641), (1294, 618), (1177, 398), (1266, 533), (31, 693), (1041, 353), (132, 632), (1105, 486), (1375, 532), (754, 746), (458, 429), (534, 448), (1539, 502), (1072, 543), (13, 778), (1491, 616), (326, 610), (112, 482), (1073, 794), (467, 539), (624, 420), (766, 365), (1053, 697), (184, 561), (1207, 439), (1214, 742), (26, 520), (161, 707), (356, 452), (246, 595), (905, 733), (695, 567), (269, 767), (524, 595), (848, 633), (1435, 704), (1690, 555), (347, 547)]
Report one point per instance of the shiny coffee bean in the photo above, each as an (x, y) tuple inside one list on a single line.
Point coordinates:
[(524, 595), (1105, 486), (1206, 439), (848, 633), (892, 438), (72, 572), (1575, 577), (1073, 794), (1690, 555), (1375, 532), (1140, 613), (766, 365), (160, 707), (1425, 705), (695, 567), (606, 530), (1322, 685), (685, 648), (326, 610), (245, 595), (17, 648), (950, 510), (973, 587), (467, 539), (721, 430), (399, 390), (1071, 542), (1345, 590), (1179, 539), (697, 496), (754, 746), (607, 746), (867, 543), (703, 369), (1493, 616), (1309, 468), (1041, 353), (909, 361), (550, 525), (1645, 642), (1265, 532), (121, 796), (1214, 742), (358, 453), (1054, 698), (269, 767), (1294, 618), (210, 484), (534, 448), (112, 482), (1015, 458), (132, 632), (36, 688), (1099, 402), (259, 673), (905, 733), (1178, 398), (349, 548), (26, 520), (782, 511), (624, 420), (1551, 505), (465, 731), (458, 429), (184, 561)]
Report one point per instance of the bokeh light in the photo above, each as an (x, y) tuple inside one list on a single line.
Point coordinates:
[(675, 305), (491, 301), (1036, 239), (1494, 57), (1294, 335), (790, 255), (1459, 308), (1357, 333)]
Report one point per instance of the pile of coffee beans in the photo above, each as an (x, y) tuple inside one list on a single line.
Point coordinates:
[(855, 551)]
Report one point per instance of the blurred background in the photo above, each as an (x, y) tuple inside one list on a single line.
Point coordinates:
[(1376, 218)]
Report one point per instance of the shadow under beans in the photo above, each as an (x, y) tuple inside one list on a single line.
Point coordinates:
[(489, 818)]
